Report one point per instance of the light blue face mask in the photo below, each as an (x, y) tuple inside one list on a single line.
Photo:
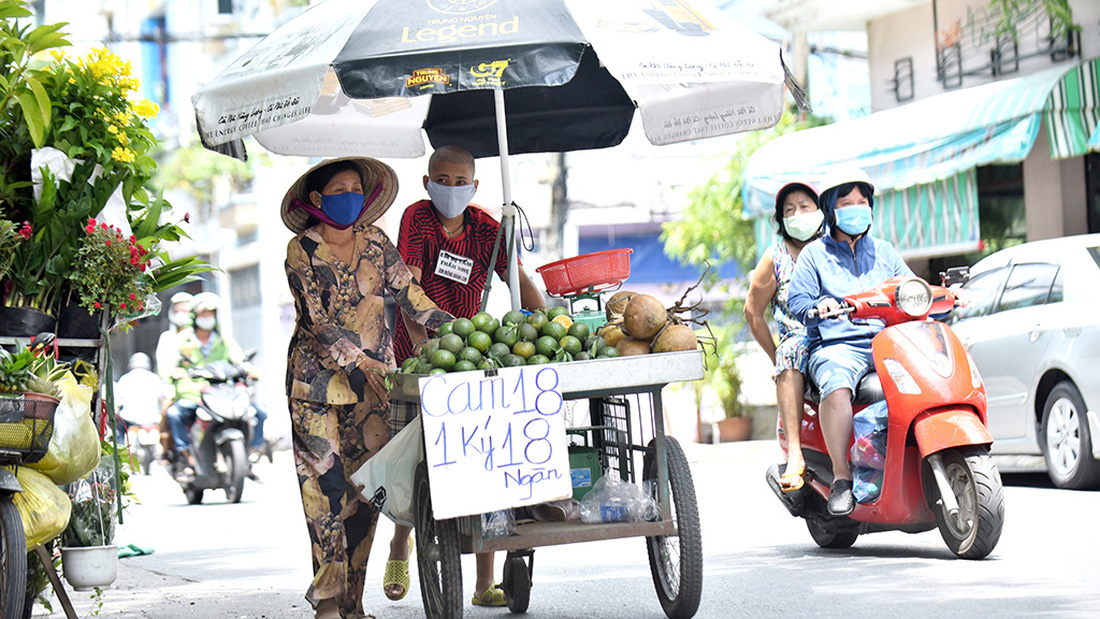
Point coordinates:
[(450, 201), (343, 209), (855, 219)]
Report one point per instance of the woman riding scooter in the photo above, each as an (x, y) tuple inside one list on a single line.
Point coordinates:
[(845, 261)]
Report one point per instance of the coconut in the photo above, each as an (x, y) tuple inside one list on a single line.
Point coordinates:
[(611, 333), (617, 304), (675, 338), (629, 346), (644, 317)]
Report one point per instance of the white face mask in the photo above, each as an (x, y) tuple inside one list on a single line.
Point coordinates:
[(180, 319), (450, 201), (206, 323), (803, 226)]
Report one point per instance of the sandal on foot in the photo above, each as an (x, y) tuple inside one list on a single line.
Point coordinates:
[(186, 475), (793, 480), (397, 573), (493, 596)]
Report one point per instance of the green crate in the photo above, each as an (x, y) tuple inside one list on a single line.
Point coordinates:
[(584, 469)]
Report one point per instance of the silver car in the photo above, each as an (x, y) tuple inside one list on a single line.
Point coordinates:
[(1033, 328)]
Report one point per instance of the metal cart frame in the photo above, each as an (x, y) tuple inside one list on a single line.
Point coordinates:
[(677, 574)]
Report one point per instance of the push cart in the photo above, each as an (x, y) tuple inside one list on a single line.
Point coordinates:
[(627, 425)]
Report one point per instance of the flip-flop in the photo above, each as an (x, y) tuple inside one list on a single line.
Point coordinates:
[(493, 596), (397, 573), (789, 482), (186, 475)]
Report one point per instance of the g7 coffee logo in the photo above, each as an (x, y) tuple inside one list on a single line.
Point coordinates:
[(459, 7)]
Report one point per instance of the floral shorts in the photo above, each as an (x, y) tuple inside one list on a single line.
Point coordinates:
[(792, 353)]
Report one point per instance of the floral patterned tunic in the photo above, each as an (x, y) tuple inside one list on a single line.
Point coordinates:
[(340, 313)]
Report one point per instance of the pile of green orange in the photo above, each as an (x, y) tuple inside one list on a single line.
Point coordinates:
[(519, 338)]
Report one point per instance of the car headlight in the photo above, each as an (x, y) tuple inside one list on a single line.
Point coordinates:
[(914, 297), (901, 377)]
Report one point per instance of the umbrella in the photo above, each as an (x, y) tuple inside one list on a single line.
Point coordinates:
[(501, 77)]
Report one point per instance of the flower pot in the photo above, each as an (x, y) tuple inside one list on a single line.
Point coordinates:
[(24, 321), (734, 429), (75, 322), (90, 567)]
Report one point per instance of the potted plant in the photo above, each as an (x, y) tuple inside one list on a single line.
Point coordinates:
[(89, 556), (724, 377)]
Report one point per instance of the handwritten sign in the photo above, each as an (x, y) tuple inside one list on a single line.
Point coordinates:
[(494, 442)]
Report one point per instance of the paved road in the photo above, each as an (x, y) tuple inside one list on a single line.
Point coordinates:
[(251, 560)]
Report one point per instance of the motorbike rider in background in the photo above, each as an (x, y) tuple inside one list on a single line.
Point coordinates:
[(197, 345), (179, 318), (844, 261), (139, 392)]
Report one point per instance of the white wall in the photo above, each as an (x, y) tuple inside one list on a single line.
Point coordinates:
[(911, 33)]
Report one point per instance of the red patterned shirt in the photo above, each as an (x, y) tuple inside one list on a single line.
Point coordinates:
[(420, 241)]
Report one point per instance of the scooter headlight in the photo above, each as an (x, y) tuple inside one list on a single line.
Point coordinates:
[(975, 377), (903, 380), (914, 297)]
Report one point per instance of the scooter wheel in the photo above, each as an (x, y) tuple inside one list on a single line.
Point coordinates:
[(976, 484)]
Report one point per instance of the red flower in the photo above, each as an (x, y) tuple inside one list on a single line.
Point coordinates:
[(108, 241), (133, 296), (133, 261), (91, 221), (104, 226), (187, 217), (27, 230), (97, 304), (90, 228), (133, 238), (122, 306)]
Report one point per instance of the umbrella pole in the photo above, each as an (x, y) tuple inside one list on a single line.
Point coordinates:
[(508, 210)]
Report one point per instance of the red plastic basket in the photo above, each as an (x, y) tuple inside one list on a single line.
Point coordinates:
[(587, 273)]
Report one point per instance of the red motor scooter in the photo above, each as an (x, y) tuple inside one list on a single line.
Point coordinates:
[(937, 471)]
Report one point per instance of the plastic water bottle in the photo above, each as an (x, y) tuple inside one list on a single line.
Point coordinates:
[(613, 510)]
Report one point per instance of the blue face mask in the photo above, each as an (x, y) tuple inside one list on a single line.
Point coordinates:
[(343, 209), (855, 219)]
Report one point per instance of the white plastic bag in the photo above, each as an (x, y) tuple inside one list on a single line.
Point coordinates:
[(386, 480)]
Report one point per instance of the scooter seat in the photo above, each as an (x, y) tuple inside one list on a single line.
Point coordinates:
[(868, 391)]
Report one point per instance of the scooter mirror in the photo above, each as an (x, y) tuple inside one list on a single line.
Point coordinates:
[(955, 275)]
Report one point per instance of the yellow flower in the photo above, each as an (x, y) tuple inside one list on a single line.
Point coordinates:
[(122, 118), (57, 54), (146, 108), (125, 155), (112, 129), (123, 139)]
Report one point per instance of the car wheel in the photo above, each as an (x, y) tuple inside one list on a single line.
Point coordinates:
[(1067, 443)]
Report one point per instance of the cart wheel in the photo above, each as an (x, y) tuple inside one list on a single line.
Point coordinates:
[(517, 581), (437, 555), (677, 561)]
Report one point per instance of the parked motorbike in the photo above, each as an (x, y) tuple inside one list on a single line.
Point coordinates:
[(221, 433), (937, 469)]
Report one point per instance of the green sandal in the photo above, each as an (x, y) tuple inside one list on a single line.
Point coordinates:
[(397, 573), (493, 596)]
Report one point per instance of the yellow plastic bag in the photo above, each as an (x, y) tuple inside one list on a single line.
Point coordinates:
[(43, 507), (74, 446)]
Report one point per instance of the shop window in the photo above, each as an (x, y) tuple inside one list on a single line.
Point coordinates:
[(1092, 190), (1029, 284), (1001, 211)]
